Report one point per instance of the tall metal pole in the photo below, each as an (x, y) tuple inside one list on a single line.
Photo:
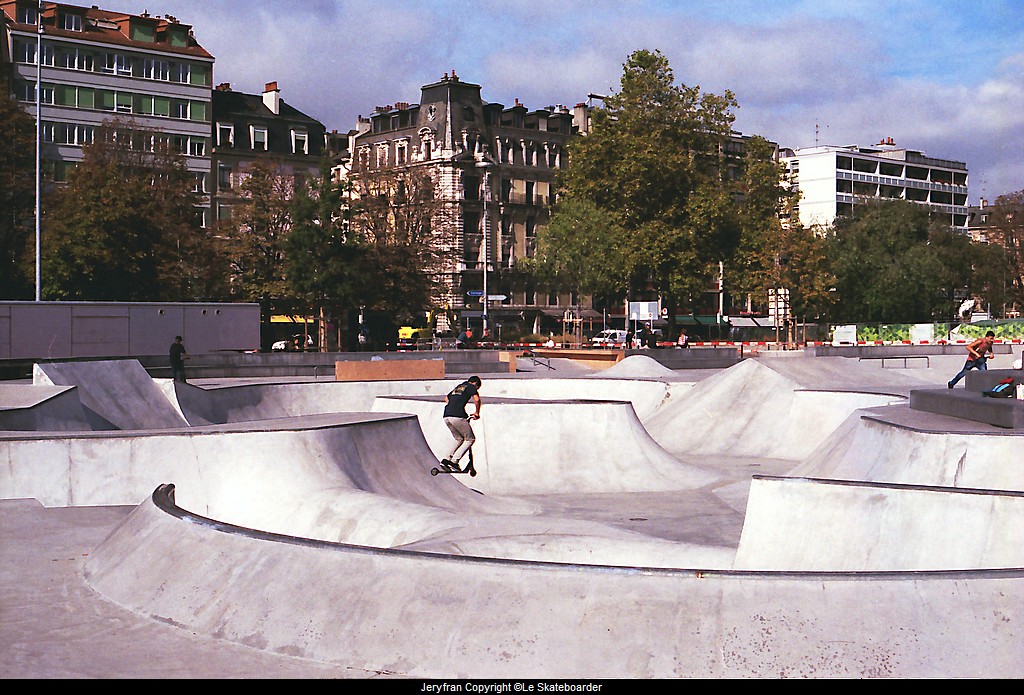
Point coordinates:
[(486, 166), (39, 148)]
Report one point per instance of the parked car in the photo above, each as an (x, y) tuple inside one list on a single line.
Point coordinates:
[(608, 338), (290, 344)]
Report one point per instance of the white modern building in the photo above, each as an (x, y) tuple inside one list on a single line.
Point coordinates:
[(832, 179)]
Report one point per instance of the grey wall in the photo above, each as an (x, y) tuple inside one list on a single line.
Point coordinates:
[(48, 330)]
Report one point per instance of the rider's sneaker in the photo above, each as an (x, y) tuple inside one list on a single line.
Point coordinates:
[(449, 465)]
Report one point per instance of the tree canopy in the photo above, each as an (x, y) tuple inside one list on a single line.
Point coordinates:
[(651, 167), (17, 199), (125, 228), (894, 264)]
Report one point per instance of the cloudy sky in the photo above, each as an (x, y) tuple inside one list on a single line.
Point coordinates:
[(942, 76)]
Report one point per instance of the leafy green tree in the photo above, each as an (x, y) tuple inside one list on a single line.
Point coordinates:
[(893, 264), (125, 228), (651, 164), (324, 263), (17, 200)]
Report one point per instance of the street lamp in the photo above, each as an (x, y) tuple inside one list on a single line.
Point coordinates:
[(486, 165)]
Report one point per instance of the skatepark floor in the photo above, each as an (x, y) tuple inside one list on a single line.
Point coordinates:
[(53, 625)]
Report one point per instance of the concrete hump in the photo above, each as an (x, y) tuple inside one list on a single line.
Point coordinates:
[(804, 524), (526, 447), (752, 410), (635, 367), (119, 391)]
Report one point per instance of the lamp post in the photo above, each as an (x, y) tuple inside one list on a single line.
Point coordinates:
[(39, 146), (486, 166)]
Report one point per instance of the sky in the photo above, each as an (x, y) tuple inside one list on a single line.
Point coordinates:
[(945, 77)]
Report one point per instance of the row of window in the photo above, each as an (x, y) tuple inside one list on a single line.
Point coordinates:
[(115, 101), (259, 138), (113, 63), (81, 135)]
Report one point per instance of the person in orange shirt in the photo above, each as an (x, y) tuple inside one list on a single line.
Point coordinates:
[(976, 357)]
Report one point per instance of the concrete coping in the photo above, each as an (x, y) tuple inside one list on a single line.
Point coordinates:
[(163, 499)]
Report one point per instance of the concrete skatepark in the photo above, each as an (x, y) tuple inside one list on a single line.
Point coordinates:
[(789, 516)]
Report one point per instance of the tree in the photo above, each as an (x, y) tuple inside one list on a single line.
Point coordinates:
[(1006, 230), (402, 252), (17, 199), (893, 264), (254, 237), (651, 164), (125, 227), (324, 263)]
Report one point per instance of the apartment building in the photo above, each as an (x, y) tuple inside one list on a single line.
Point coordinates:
[(95, 66), (494, 167), (832, 180), (259, 127)]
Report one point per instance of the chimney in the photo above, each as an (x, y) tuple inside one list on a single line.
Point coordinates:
[(272, 97)]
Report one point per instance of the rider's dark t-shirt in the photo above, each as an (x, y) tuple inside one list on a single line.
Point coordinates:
[(457, 400)]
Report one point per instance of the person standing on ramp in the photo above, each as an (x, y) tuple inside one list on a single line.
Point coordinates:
[(457, 420)]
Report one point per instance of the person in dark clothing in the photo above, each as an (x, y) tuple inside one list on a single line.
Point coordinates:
[(457, 420), (178, 357)]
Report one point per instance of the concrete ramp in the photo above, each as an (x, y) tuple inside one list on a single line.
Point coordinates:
[(41, 408), (752, 410), (119, 391), (426, 615), (527, 447), (801, 524), (870, 448)]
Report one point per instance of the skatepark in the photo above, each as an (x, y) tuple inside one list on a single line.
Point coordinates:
[(788, 516)]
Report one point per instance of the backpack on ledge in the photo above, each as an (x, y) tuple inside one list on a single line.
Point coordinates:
[(1004, 389)]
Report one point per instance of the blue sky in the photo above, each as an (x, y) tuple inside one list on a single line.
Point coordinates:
[(943, 76)]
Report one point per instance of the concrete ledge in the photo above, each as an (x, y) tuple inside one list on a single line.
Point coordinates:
[(905, 350), (389, 370), (598, 359), (983, 381), (970, 405)]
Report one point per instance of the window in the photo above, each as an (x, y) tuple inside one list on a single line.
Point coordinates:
[(225, 135), (199, 184), (179, 109), (223, 178), (300, 142), (115, 64), (123, 103), (25, 52), (27, 14), (75, 59), (258, 136), (70, 134), (71, 22), (180, 72), (197, 147), (156, 69)]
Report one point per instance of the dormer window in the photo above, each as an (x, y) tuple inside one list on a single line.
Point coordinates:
[(27, 14), (258, 137), (71, 22)]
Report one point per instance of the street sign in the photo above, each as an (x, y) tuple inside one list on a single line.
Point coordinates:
[(496, 297), (475, 293)]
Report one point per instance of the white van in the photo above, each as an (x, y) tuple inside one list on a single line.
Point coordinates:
[(608, 338)]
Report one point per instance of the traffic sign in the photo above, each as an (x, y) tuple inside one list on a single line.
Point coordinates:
[(475, 293), (496, 297)]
